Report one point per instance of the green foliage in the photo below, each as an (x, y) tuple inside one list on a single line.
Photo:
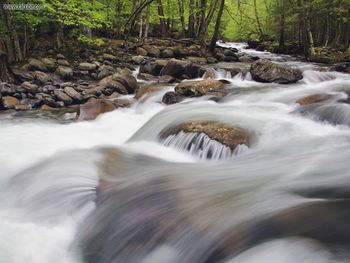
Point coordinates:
[(95, 42)]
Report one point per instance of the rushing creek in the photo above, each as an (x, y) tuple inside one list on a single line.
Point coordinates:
[(283, 199)]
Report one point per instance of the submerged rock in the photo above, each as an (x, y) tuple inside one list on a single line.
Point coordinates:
[(196, 88), (263, 70), (316, 98), (93, 108)]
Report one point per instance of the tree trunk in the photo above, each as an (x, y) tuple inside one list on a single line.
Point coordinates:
[(257, 19), (215, 37), (191, 19), (204, 26), (60, 35), (12, 41), (147, 21), (281, 44), (118, 23), (6, 74), (182, 16), (308, 41), (161, 18)]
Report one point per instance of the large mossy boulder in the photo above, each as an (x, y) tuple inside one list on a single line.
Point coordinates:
[(228, 135), (263, 70)]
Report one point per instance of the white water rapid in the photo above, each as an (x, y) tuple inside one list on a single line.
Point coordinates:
[(284, 199)]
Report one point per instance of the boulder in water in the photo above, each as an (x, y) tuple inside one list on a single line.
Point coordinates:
[(93, 108), (263, 70), (316, 98), (147, 90), (182, 69), (172, 97), (228, 135), (196, 88)]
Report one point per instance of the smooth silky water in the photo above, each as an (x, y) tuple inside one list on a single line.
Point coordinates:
[(111, 190)]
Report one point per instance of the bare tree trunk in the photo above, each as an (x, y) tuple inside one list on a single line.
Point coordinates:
[(6, 74), (204, 26), (281, 45), (60, 35), (182, 16), (215, 37), (161, 18), (308, 41), (191, 19), (118, 24), (257, 19), (147, 21), (13, 45)]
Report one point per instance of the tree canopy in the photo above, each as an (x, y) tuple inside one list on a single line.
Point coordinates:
[(308, 23)]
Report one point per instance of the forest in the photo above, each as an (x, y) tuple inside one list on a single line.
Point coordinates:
[(309, 27)]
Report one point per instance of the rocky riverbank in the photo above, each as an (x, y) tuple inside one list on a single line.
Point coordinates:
[(100, 78)]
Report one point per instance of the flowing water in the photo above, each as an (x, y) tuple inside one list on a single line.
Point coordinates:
[(110, 190)]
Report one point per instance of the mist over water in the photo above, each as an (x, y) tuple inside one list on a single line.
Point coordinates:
[(112, 190)]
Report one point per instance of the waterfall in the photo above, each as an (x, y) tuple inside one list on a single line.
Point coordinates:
[(201, 146)]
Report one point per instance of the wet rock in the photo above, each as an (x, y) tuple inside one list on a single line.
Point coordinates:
[(30, 87), (35, 64), (245, 59), (41, 78), (48, 108), (109, 57), (197, 60), (195, 88), (141, 51), (104, 73), (71, 92), (9, 102), (315, 98), (152, 51), (146, 90), (138, 59), (87, 66), (263, 70), (63, 62), (172, 97), (180, 52), (93, 108), (60, 95), (159, 79), (210, 73), (60, 56), (110, 83), (49, 63), (180, 69), (122, 103), (153, 67), (65, 73), (22, 107), (228, 135), (167, 53), (211, 60), (126, 79)]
